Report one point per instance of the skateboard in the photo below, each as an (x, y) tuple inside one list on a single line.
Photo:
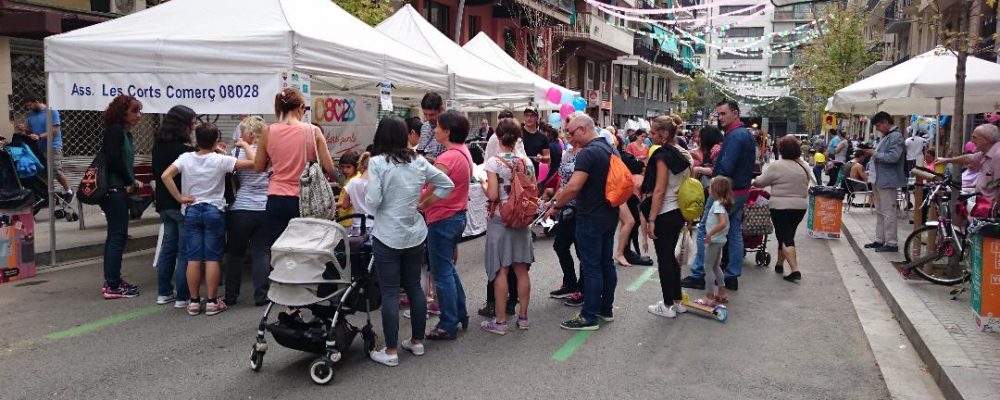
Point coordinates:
[(719, 312)]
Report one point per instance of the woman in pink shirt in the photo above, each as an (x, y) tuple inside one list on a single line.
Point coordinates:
[(638, 146), (446, 222), (285, 147)]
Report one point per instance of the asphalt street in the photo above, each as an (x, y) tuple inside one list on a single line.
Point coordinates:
[(60, 339)]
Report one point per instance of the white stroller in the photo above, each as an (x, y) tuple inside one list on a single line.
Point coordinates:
[(322, 271)]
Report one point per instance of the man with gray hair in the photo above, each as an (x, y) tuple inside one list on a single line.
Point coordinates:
[(596, 221), (986, 160), (889, 161)]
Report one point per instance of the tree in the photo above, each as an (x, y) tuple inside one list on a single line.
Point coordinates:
[(701, 95), (541, 43), (784, 108), (370, 11), (833, 60)]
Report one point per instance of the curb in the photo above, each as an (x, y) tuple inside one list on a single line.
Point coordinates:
[(44, 260), (955, 373)]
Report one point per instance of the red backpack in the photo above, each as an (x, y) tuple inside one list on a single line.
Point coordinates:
[(522, 201)]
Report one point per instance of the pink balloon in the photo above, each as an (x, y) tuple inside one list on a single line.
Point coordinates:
[(565, 110), (553, 95)]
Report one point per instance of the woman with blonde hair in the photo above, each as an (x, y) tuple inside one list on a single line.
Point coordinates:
[(247, 223), (353, 197)]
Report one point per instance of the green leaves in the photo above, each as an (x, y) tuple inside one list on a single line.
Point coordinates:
[(372, 12)]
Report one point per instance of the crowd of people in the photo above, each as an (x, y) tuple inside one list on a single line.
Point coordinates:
[(414, 182)]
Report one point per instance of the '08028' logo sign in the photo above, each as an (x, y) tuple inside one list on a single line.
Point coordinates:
[(330, 109)]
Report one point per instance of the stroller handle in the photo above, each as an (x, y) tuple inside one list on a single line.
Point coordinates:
[(363, 217)]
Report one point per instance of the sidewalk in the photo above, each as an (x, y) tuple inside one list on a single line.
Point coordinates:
[(964, 362), (72, 243)]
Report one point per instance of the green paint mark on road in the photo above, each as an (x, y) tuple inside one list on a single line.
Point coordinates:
[(112, 320), (567, 350), (638, 282)]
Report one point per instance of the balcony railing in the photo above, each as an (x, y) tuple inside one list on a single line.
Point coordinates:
[(596, 29)]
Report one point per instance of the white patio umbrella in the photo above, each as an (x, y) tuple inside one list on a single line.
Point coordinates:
[(923, 85), (918, 85)]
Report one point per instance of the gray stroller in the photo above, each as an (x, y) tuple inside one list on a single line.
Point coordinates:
[(321, 274)]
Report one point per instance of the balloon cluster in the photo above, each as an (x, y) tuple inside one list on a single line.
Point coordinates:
[(992, 117), (567, 103)]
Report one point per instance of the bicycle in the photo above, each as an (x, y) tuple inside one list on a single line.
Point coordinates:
[(941, 239)]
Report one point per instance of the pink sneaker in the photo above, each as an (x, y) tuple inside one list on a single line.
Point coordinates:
[(493, 326), (215, 308), (434, 309)]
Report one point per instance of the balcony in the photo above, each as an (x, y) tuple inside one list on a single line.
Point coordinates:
[(896, 19), (593, 29), (559, 10), (783, 59)]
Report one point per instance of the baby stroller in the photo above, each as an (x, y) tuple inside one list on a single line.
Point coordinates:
[(322, 275), (757, 226), (31, 173)]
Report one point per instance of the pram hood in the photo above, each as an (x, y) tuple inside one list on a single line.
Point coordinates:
[(300, 257)]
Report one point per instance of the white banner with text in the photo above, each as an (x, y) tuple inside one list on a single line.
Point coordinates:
[(204, 93)]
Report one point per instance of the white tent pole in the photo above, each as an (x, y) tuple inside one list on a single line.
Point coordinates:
[(50, 175), (458, 23)]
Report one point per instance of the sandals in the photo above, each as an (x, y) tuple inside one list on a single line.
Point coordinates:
[(706, 302), (622, 262)]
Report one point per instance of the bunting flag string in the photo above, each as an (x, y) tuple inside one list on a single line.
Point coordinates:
[(612, 12), (653, 11)]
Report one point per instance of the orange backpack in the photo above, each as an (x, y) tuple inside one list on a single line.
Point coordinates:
[(619, 187), (522, 201)]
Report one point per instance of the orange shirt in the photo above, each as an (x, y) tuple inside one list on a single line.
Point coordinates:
[(285, 145)]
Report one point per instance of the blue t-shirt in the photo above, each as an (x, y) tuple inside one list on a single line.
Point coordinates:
[(833, 145), (36, 123), (713, 220)]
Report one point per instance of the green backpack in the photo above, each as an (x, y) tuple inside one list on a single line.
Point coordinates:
[(691, 197)]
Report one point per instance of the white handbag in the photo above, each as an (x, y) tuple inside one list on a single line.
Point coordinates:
[(316, 199)]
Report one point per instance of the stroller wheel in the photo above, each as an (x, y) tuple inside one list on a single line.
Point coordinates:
[(256, 359), (76, 217), (761, 258), (59, 214), (321, 371), (767, 259)]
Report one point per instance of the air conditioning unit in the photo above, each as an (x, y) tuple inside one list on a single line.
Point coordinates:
[(125, 7)]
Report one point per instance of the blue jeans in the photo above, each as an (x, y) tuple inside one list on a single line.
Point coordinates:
[(734, 240), (597, 269), (205, 227), (116, 212), (442, 239), (172, 262)]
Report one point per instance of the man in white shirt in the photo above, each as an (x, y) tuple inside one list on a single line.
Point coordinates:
[(914, 151)]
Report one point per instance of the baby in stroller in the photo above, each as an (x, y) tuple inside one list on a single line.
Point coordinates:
[(322, 274)]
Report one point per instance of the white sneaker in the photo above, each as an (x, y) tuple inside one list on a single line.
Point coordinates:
[(385, 359), (661, 310), (181, 303), (679, 308), (416, 349), (161, 300)]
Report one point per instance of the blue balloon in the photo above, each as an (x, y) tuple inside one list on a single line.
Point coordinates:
[(579, 104), (555, 120), (567, 98)]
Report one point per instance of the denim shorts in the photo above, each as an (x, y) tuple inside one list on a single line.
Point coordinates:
[(205, 232)]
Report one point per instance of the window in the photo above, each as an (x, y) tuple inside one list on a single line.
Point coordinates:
[(729, 9), (475, 25), (604, 79), (438, 15), (509, 45), (730, 56), (642, 84), (634, 76), (617, 74), (752, 31), (588, 77)]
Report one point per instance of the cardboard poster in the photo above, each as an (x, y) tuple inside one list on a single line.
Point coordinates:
[(824, 217), (348, 122), (301, 82), (17, 246), (985, 283)]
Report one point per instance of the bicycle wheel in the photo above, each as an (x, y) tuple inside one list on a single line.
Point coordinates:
[(926, 241)]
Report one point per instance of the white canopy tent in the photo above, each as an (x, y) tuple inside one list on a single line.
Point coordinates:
[(924, 85), (475, 82), (484, 47), (229, 57)]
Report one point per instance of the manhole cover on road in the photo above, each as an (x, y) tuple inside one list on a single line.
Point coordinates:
[(30, 283)]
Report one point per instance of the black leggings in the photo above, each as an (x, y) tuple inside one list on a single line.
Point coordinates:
[(786, 221), (668, 232)]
